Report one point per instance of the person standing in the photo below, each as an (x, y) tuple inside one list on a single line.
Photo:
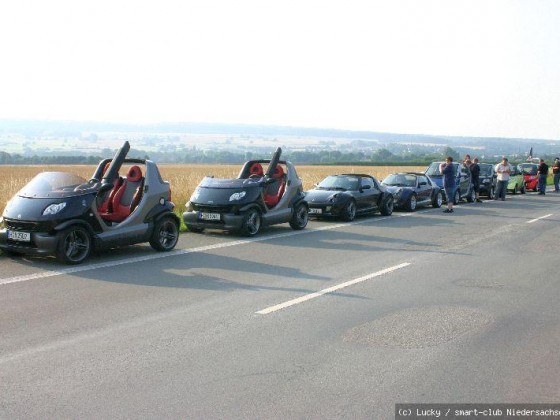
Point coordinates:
[(503, 170), (449, 183), (556, 174), (542, 172), (475, 178)]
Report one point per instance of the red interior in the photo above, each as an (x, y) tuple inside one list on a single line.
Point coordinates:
[(275, 190)]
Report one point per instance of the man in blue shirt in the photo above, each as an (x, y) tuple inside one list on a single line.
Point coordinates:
[(449, 184)]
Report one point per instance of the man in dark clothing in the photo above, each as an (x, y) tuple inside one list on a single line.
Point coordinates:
[(475, 177), (542, 172), (556, 174), (449, 184)]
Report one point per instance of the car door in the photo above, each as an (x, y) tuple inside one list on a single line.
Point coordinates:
[(423, 188), (368, 193), (464, 179)]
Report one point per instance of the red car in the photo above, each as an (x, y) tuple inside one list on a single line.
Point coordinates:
[(530, 175)]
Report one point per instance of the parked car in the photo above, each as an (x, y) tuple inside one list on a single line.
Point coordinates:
[(516, 182), (488, 180), (411, 190), (62, 214), (462, 181), (347, 195), (530, 176), (254, 199)]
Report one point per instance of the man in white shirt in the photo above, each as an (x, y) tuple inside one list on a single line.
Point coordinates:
[(503, 170)]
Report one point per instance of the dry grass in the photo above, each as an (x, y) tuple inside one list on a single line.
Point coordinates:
[(184, 178)]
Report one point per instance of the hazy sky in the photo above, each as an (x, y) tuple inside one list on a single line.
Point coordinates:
[(489, 67)]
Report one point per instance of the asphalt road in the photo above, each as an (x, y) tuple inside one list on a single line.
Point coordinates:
[(422, 307)]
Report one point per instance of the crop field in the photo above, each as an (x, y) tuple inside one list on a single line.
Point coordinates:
[(183, 178)]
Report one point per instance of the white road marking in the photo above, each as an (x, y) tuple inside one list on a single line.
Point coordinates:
[(539, 218), (157, 256), (330, 289)]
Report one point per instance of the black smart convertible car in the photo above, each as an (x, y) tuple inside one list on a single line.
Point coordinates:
[(348, 195), (62, 214), (411, 190), (255, 198), (488, 179)]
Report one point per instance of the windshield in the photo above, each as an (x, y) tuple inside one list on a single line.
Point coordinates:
[(485, 169), (528, 168), (338, 182), (56, 185), (433, 169), (400, 180)]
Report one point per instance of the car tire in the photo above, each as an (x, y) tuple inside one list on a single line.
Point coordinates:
[(300, 217), (491, 193), (74, 245), (437, 200), (193, 229), (411, 203), (251, 223), (457, 197), (387, 207), (165, 235), (472, 196), (523, 190), (514, 189), (349, 212)]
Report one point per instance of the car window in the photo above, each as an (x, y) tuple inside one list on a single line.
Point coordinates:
[(368, 181), (423, 179)]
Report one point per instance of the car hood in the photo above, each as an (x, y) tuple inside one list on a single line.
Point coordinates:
[(393, 189), (216, 191)]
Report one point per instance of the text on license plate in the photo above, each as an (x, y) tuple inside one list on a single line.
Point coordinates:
[(210, 216), (19, 236), (315, 211)]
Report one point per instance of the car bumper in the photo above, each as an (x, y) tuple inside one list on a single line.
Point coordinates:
[(40, 244), (324, 210), (228, 221)]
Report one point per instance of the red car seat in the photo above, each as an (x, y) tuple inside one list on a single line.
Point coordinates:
[(274, 191), (127, 196), (106, 205), (256, 170)]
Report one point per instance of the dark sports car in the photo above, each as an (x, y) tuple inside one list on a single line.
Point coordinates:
[(412, 190), (348, 195)]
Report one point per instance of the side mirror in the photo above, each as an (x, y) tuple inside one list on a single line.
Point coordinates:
[(422, 183), (365, 187)]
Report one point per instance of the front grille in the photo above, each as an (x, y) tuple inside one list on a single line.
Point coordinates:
[(213, 209), (25, 226)]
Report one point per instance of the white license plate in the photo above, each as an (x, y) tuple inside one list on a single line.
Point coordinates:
[(315, 211), (209, 216), (19, 236)]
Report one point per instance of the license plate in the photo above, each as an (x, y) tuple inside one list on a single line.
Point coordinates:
[(19, 236), (315, 211), (209, 216)]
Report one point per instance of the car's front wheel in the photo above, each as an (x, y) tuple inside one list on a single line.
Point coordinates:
[(387, 207), (411, 202), (491, 193), (522, 191), (74, 245), (165, 235), (437, 200), (349, 212), (457, 197), (251, 223), (514, 189), (300, 217)]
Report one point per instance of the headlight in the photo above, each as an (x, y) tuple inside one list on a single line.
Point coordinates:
[(1, 222), (332, 198), (54, 208), (237, 196), (189, 206), (398, 193)]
